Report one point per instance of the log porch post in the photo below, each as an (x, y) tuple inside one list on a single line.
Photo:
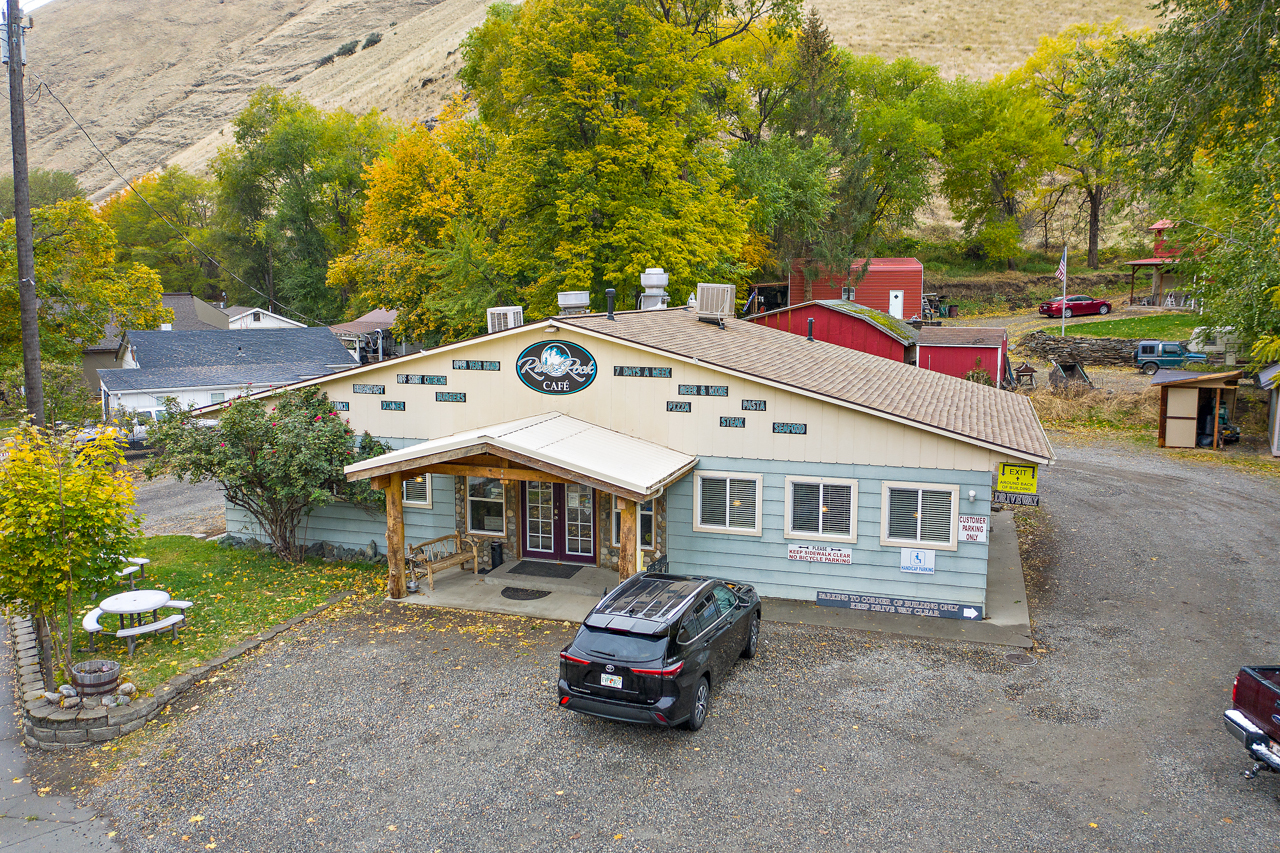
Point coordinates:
[(395, 536), (627, 550)]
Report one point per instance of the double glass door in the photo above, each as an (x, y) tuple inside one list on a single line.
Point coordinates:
[(559, 522)]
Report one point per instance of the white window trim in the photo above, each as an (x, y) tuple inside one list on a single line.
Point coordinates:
[(496, 534), (720, 475), (823, 537), (427, 503), (614, 526), (914, 543)]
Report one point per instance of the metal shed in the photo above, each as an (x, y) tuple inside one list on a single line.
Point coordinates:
[(1184, 398), (1269, 381)]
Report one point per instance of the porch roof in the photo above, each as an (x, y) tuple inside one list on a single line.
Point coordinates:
[(554, 443)]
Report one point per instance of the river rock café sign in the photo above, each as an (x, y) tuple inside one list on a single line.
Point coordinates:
[(556, 367)]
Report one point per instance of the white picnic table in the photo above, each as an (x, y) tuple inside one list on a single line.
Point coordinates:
[(134, 602)]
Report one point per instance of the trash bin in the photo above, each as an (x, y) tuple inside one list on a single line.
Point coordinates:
[(953, 311), (495, 554)]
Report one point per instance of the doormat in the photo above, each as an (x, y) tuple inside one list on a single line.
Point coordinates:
[(539, 569), (516, 593)]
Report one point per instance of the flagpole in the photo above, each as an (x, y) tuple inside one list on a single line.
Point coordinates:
[(1064, 291)]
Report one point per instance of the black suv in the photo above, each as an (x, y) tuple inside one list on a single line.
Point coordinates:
[(651, 649)]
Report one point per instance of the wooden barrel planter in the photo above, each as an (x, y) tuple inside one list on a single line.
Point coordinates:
[(95, 677)]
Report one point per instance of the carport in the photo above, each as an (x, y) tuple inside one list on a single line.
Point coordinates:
[(1184, 395)]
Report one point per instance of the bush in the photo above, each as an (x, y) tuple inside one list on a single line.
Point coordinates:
[(348, 48), (324, 60), (373, 39)]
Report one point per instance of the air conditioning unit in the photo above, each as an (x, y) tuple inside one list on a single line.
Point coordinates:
[(715, 301), (501, 319), (574, 301)]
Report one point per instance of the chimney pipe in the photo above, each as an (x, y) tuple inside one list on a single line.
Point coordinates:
[(608, 296), (810, 328)]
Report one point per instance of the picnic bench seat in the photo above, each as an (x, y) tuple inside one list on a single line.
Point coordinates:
[(91, 626), (167, 623), (443, 552), (128, 575)]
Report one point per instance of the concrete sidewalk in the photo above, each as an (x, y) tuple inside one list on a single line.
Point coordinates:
[(1007, 621), (30, 822)]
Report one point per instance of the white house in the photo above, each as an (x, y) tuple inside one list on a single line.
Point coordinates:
[(240, 317)]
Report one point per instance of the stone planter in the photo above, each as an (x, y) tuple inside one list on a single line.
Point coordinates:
[(95, 677)]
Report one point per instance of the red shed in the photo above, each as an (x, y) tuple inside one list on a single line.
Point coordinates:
[(894, 286), (848, 324), (955, 350)]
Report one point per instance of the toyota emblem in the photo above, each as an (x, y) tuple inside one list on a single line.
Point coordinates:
[(608, 667)]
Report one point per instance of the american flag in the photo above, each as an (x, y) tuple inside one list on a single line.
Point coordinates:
[(1061, 274)]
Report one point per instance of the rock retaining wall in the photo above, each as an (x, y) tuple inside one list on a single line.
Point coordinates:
[(1112, 351), (50, 727)]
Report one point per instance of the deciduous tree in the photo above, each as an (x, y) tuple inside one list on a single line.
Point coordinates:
[(279, 459), (66, 514)]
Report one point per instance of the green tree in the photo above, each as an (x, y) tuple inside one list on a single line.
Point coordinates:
[(48, 186), (66, 513), (1069, 72), (80, 289), (999, 141), (278, 459), (611, 163), (66, 398), (290, 191), (143, 237)]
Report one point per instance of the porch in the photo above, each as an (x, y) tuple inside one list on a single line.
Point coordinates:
[(547, 490)]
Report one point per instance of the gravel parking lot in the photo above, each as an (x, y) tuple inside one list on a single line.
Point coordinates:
[(390, 727)]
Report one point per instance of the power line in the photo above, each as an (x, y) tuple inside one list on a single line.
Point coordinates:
[(162, 217)]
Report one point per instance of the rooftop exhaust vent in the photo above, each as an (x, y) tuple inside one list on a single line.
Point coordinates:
[(715, 302), (654, 281), (501, 319), (574, 301)]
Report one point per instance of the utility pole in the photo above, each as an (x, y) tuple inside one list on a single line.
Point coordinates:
[(22, 217)]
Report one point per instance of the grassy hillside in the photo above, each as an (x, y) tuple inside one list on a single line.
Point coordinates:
[(156, 81)]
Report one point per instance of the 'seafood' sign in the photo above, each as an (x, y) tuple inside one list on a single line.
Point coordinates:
[(1017, 477)]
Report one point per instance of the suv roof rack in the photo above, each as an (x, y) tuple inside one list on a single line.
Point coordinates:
[(647, 604)]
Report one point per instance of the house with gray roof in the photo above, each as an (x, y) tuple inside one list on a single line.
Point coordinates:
[(204, 367), (190, 314)]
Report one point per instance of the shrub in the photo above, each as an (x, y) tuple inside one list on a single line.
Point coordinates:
[(324, 60), (348, 48), (373, 39)]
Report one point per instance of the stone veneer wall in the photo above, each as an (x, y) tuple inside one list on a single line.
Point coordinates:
[(1106, 351), (511, 502), (51, 728)]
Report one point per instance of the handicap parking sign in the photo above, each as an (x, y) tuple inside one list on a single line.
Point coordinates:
[(918, 560)]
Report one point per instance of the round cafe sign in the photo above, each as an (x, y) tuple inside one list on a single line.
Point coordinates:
[(556, 367)]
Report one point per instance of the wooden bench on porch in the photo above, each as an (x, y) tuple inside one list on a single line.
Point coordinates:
[(443, 552)]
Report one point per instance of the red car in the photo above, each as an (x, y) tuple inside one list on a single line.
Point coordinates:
[(1076, 305)]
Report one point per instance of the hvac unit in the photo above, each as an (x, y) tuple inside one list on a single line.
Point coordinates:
[(715, 302), (501, 319)]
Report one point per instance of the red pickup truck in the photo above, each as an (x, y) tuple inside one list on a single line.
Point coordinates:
[(1254, 718)]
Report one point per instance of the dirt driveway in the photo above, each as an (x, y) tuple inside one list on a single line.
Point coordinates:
[(396, 728)]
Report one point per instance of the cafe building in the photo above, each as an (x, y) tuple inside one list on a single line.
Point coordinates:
[(810, 470)]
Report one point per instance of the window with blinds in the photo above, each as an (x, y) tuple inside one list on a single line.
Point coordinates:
[(418, 490), (920, 515), (729, 503), (822, 508)]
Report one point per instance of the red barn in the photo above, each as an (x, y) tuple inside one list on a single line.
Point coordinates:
[(838, 321), (955, 350), (894, 286)]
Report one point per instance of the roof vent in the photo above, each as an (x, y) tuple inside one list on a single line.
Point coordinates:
[(501, 319), (654, 282), (715, 302), (166, 327), (574, 301)]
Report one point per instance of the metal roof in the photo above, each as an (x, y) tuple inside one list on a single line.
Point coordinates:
[(1195, 379), (378, 318), (901, 332), (619, 463), (1267, 377), (961, 336)]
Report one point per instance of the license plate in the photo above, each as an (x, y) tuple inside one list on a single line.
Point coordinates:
[(611, 681)]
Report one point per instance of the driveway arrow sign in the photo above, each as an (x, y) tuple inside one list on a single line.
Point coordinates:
[(970, 613)]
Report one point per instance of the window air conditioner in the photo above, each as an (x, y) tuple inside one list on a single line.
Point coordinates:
[(715, 301), (501, 319)]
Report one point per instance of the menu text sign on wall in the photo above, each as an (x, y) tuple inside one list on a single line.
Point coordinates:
[(341, 405), (753, 405), (461, 364), (643, 372), (790, 429), (679, 406), (421, 379), (360, 388), (703, 390), (393, 405), (733, 422), (451, 397)]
